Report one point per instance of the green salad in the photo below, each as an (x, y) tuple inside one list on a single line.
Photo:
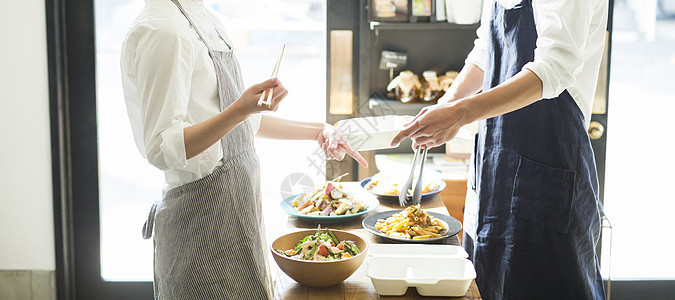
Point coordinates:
[(321, 246)]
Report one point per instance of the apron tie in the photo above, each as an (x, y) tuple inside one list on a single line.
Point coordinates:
[(150, 222)]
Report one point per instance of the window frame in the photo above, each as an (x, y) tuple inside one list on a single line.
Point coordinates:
[(72, 104)]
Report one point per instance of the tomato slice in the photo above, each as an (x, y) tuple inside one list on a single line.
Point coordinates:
[(322, 251), (341, 246)]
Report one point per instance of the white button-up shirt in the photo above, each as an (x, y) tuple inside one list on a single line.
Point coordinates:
[(570, 43), (170, 83)]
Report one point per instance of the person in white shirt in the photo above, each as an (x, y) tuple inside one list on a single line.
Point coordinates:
[(192, 118), (531, 217)]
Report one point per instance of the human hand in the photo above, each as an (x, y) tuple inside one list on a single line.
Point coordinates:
[(433, 126), (248, 101), (335, 145), (448, 97), (445, 99)]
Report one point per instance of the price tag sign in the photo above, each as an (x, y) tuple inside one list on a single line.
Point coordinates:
[(393, 60)]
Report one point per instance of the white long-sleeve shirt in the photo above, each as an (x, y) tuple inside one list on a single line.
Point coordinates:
[(169, 83), (570, 43)]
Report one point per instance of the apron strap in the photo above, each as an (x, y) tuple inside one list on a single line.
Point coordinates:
[(194, 26), (150, 222)]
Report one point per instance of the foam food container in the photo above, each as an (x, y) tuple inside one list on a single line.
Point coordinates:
[(372, 133), (432, 276), (414, 250)]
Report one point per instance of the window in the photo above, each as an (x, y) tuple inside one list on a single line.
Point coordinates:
[(129, 185), (638, 199)]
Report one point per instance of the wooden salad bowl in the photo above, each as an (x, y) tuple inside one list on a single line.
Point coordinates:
[(318, 273)]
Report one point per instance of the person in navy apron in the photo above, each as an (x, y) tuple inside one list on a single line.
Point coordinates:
[(531, 217), (193, 119)]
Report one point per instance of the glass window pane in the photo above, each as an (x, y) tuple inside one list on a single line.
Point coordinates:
[(129, 185), (638, 199)]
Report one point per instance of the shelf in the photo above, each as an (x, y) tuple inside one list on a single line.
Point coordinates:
[(374, 25), (393, 107)]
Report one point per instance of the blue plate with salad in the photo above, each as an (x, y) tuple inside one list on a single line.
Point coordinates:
[(329, 203)]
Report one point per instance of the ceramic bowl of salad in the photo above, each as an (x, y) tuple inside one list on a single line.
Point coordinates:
[(319, 257)]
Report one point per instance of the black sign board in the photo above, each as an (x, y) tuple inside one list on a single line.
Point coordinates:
[(393, 60)]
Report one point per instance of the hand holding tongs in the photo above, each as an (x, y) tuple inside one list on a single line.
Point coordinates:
[(417, 192), (268, 101)]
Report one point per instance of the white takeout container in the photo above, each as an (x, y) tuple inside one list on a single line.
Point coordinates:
[(416, 250), (372, 133), (432, 276)]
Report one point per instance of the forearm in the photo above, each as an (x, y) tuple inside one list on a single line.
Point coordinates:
[(468, 82), (279, 128), (517, 92), (201, 136)]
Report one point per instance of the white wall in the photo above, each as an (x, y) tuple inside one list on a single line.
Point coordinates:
[(26, 221)]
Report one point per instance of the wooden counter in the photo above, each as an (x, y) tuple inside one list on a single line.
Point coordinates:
[(357, 286)]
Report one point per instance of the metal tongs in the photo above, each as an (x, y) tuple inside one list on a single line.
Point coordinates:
[(405, 188), (268, 101)]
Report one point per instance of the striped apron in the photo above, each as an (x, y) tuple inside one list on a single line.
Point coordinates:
[(209, 234)]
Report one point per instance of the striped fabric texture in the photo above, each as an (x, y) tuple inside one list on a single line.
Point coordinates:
[(209, 238), (209, 234)]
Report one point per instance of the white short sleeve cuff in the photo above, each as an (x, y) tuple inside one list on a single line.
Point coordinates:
[(475, 60), (255, 122), (173, 145), (551, 86)]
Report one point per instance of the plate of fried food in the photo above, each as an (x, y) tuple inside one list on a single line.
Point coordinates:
[(329, 203), (386, 187), (412, 225)]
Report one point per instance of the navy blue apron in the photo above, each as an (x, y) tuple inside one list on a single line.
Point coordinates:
[(536, 216)]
